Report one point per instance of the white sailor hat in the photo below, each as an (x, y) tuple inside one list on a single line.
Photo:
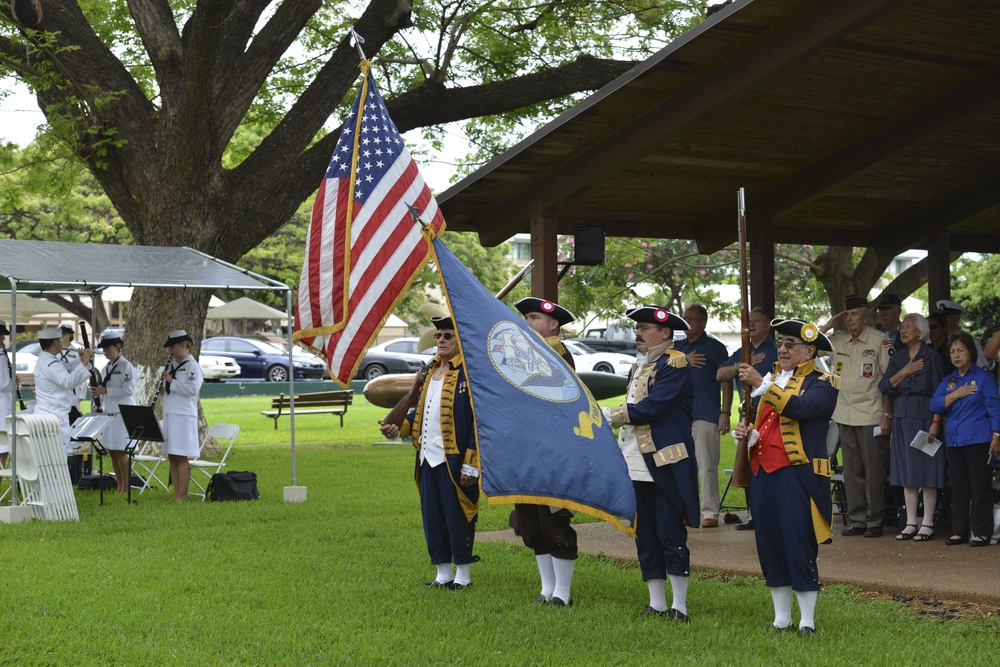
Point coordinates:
[(950, 307), (177, 336), (532, 304), (109, 339), (66, 329), (49, 333), (657, 315)]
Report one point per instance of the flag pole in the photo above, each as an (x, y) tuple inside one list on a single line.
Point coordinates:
[(356, 41)]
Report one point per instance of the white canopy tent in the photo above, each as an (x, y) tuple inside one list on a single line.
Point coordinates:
[(46, 267)]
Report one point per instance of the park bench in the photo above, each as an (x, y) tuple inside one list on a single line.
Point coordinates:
[(322, 402)]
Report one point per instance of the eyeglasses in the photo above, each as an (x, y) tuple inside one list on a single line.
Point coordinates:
[(646, 327), (446, 335), (788, 344)]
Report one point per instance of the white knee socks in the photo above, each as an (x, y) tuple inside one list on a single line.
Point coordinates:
[(563, 568), (546, 570)]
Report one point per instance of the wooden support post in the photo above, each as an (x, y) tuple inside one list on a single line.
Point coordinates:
[(761, 237), (544, 250), (938, 269)]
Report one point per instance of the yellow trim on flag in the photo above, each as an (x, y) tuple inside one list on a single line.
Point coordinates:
[(568, 504)]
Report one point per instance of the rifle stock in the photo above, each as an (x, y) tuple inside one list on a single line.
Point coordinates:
[(741, 466)]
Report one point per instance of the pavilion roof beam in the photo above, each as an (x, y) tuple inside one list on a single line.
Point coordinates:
[(916, 127), (745, 71)]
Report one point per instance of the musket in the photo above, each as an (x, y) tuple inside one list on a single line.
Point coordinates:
[(398, 413), (741, 467)]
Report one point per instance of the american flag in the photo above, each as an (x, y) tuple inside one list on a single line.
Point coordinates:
[(363, 249)]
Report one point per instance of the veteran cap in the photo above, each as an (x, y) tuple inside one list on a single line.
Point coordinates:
[(852, 301), (443, 322), (950, 307), (533, 304), (49, 333), (806, 331), (888, 300), (657, 315), (177, 336)]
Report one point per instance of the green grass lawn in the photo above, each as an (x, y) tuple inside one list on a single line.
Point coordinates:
[(339, 580)]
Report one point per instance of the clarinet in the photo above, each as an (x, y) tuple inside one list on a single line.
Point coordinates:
[(159, 381), (95, 377), (10, 369)]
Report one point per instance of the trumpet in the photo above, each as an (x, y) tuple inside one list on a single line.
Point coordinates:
[(159, 381)]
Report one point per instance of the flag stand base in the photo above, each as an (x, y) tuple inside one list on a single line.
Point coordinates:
[(295, 494)]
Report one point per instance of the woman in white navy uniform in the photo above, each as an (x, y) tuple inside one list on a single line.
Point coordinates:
[(182, 381), (5, 404), (117, 388)]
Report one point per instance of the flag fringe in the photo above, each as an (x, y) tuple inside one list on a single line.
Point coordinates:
[(567, 504)]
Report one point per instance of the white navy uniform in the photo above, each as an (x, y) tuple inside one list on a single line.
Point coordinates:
[(5, 406), (180, 408), (119, 380), (70, 358), (55, 390)]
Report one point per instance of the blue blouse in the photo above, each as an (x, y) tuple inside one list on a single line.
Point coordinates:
[(973, 419)]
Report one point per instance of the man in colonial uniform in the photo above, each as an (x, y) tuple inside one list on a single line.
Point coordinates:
[(547, 530), (447, 466), (655, 438), (790, 471)]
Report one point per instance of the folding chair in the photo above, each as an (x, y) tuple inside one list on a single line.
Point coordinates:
[(838, 490), (144, 463), (200, 466)]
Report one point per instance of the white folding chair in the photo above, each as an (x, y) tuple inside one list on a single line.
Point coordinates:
[(199, 466), (144, 464)]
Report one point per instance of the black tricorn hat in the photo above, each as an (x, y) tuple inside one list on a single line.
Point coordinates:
[(657, 315), (443, 322), (533, 304), (807, 332)]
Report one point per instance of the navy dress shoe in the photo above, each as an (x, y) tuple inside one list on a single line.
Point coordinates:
[(746, 525)]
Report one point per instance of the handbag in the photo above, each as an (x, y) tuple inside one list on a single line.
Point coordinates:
[(233, 486)]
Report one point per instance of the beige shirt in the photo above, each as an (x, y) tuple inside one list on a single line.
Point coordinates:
[(860, 363)]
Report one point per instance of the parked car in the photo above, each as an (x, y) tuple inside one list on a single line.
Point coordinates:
[(615, 337), (389, 358), (587, 358), (216, 368), (406, 345), (263, 361)]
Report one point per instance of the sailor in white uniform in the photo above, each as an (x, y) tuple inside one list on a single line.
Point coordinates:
[(182, 381), (117, 388), (55, 384)]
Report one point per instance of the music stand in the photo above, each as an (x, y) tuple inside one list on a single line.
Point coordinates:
[(140, 424), (90, 428)]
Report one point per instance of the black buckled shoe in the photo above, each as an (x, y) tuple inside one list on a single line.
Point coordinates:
[(438, 584), (853, 531), (806, 631), (559, 602), (676, 615), (649, 611)]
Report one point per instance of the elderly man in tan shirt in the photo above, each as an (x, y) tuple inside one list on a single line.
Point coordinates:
[(860, 357)]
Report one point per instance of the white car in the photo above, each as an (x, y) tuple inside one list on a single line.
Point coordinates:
[(587, 359), (216, 368)]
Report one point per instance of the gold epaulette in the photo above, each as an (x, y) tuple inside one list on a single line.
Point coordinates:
[(832, 378), (676, 359)]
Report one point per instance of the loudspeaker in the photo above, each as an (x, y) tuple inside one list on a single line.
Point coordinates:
[(588, 243)]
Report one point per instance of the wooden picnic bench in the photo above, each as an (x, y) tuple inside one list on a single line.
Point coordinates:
[(321, 402)]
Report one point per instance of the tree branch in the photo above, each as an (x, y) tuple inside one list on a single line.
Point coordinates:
[(158, 31)]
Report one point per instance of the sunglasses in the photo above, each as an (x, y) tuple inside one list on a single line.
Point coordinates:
[(789, 344), (446, 336)]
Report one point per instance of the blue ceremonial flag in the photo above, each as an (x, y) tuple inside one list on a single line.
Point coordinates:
[(542, 438)]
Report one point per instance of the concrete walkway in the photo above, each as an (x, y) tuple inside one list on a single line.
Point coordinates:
[(880, 564)]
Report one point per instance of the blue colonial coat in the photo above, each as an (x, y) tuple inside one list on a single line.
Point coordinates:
[(805, 406), (458, 429)]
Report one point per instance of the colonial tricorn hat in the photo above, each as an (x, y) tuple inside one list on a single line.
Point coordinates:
[(532, 304), (109, 339), (177, 336), (806, 331), (443, 322), (657, 315), (853, 301)]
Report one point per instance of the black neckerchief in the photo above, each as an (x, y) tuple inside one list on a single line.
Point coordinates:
[(173, 373)]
